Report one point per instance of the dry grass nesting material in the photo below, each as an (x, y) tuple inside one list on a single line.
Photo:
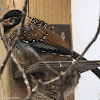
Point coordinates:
[(52, 90)]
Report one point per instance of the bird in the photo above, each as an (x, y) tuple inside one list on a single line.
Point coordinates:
[(38, 35)]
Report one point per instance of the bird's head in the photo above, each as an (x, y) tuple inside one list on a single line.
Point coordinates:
[(11, 20)]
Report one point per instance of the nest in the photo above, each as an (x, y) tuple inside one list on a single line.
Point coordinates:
[(53, 90)]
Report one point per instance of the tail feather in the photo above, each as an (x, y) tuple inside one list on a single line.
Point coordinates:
[(95, 71)]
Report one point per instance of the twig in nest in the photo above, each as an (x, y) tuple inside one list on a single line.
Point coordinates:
[(35, 88), (61, 88), (34, 81), (50, 81)]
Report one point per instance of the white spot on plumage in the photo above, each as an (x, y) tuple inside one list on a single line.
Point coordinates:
[(53, 27), (60, 64), (61, 55), (54, 53), (43, 51), (63, 35), (41, 40), (69, 55), (33, 40), (45, 25), (44, 37), (23, 40), (24, 31), (26, 41)]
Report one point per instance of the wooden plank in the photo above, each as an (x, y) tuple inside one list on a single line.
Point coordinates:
[(19, 4), (63, 13), (42, 10), (55, 11), (59, 16), (4, 7), (46, 16), (52, 11), (5, 78), (10, 87)]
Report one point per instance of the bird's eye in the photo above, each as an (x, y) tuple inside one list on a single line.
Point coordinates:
[(12, 20)]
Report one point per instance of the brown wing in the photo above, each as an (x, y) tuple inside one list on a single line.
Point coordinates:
[(44, 35)]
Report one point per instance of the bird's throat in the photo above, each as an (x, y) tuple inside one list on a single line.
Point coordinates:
[(8, 30)]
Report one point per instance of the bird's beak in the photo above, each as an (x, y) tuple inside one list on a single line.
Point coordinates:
[(1, 20)]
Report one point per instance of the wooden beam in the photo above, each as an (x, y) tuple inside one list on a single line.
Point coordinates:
[(9, 87), (51, 11)]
